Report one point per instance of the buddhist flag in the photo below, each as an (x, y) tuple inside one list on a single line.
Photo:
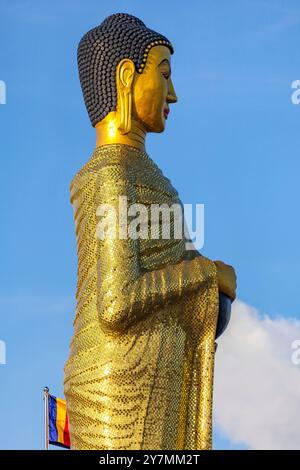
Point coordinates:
[(58, 422)]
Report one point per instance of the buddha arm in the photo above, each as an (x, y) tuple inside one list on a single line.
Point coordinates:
[(125, 293)]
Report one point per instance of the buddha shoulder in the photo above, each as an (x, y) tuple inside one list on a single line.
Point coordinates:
[(112, 163)]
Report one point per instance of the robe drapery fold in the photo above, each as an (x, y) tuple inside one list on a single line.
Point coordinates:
[(140, 368)]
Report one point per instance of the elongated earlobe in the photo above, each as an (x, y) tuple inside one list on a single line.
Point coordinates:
[(124, 112), (125, 75)]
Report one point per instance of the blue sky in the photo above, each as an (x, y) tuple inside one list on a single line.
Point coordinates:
[(232, 143)]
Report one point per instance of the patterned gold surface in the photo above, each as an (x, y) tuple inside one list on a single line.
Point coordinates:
[(140, 369)]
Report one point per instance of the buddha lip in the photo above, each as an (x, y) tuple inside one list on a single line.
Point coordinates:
[(166, 112)]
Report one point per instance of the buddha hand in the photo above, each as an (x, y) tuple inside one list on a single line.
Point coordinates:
[(226, 279)]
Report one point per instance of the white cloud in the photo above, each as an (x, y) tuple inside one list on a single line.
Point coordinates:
[(257, 386)]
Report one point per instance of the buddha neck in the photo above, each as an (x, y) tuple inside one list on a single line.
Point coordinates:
[(107, 132)]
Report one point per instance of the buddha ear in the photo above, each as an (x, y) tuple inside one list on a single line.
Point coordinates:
[(124, 79)]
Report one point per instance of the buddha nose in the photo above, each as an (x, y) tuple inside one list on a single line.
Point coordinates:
[(171, 96)]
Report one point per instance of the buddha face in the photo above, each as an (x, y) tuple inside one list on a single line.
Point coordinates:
[(153, 90)]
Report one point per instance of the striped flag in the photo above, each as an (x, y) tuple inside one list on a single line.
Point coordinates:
[(58, 422)]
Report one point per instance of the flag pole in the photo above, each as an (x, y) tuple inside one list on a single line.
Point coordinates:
[(46, 417)]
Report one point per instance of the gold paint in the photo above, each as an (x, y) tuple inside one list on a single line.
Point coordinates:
[(140, 369), (141, 101), (139, 374), (226, 279)]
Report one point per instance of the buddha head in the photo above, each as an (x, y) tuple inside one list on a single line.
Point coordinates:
[(125, 74)]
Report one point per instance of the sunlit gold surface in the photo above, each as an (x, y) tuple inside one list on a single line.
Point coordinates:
[(141, 101), (140, 370), (226, 279)]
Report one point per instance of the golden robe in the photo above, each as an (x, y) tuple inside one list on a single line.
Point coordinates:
[(140, 369)]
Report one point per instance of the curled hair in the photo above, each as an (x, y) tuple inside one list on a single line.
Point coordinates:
[(100, 50)]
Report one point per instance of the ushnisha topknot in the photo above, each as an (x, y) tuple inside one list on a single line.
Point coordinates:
[(100, 50)]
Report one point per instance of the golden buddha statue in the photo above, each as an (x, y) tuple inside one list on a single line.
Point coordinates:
[(140, 369)]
